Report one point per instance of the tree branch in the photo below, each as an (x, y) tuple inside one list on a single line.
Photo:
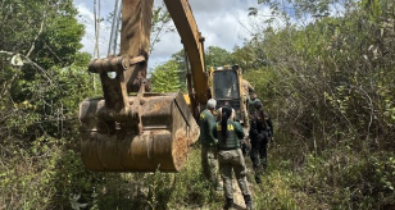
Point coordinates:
[(29, 62), (42, 24)]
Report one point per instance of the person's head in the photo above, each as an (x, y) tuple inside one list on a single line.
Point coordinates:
[(235, 67), (254, 96), (260, 113), (226, 113), (211, 104)]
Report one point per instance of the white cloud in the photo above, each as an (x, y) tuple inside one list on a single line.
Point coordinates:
[(214, 7), (86, 17), (224, 23)]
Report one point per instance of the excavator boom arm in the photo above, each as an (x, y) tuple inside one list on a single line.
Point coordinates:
[(184, 20)]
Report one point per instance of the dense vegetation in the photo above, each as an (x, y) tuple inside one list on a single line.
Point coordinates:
[(328, 84)]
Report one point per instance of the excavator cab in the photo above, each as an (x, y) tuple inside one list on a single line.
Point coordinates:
[(226, 86)]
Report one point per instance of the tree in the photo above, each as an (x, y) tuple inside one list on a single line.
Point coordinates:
[(333, 81), (182, 64), (161, 24), (165, 78), (47, 36), (39, 102), (252, 55), (216, 56)]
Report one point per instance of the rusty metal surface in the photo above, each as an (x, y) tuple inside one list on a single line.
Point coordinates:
[(135, 38), (131, 65), (113, 64), (149, 131), (167, 133)]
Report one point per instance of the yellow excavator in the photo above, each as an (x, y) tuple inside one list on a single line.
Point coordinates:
[(133, 130)]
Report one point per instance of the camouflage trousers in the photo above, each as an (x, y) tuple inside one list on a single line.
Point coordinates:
[(233, 160), (210, 164)]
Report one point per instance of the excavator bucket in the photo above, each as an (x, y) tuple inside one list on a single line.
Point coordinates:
[(111, 143), (149, 131)]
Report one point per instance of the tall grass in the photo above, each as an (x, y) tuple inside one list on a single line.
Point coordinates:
[(50, 173)]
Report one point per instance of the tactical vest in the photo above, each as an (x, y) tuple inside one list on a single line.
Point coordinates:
[(232, 142), (258, 124)]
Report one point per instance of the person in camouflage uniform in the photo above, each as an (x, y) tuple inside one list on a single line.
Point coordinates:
[(246, 145), (247, 89), (230, 157), (261, 130), (251, 103), (209, 142)]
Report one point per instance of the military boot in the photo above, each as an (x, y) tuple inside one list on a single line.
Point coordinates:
[(228, 204), (248, 202)]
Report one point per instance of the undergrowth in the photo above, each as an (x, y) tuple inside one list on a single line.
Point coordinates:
[(50, 175)]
